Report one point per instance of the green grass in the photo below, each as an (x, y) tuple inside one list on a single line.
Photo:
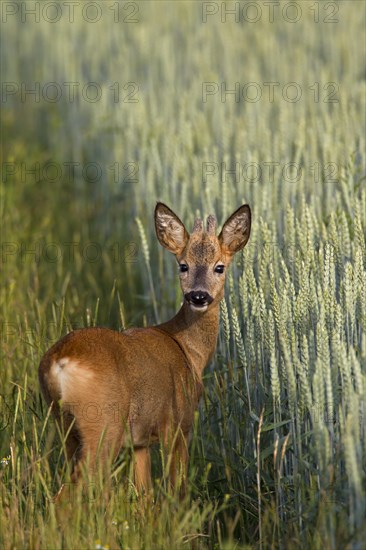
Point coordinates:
[(278, 457)]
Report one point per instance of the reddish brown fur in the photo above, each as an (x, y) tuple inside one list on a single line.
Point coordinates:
[(144, 384)]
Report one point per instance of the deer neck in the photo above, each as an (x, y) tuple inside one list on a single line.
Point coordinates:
[(196, 333)]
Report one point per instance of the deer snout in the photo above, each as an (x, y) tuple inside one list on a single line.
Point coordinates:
[(198, 298)]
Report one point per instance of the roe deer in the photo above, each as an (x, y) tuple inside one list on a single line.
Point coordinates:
[(152, 375)]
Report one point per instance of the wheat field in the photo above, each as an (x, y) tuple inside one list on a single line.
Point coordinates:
[(108, 107)]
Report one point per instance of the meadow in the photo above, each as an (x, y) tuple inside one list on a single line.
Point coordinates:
[(108, 107)]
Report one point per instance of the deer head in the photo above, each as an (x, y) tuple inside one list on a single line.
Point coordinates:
[(202, 256)]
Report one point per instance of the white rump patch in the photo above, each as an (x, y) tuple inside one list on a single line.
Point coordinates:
[(70, 376)]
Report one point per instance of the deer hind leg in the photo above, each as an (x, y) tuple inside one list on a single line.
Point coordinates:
[(177, 456), (66, 422), (73, 447), (179, 465), (100, 444), (98, 412), (90, 449), (142, 470)]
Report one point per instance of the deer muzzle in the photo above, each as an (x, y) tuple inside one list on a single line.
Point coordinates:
[(198, 299)]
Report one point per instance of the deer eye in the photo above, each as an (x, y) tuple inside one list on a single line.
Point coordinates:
[(219, 268), (183, 268)]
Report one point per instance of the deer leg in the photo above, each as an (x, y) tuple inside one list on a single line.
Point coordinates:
[(73, 449), (73, 446), (177, 455), (142, 469), (97, 447), (179, 465)]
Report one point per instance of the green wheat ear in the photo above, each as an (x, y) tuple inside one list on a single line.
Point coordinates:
[(145, 246), (225, 320)]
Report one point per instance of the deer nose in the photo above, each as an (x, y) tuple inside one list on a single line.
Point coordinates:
[(198, 297)]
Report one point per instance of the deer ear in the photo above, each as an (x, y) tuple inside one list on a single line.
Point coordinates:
[(236, 230), (169, 229)]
